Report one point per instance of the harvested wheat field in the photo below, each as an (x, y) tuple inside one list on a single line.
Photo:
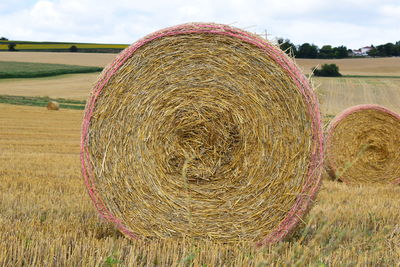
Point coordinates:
[(388, 66), (334, 94), (337, 94), (71, 86), (351, 66), (82, 59), (46, 216)]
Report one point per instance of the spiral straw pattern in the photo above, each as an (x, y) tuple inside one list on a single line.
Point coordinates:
[(205, 131), (363, 144)]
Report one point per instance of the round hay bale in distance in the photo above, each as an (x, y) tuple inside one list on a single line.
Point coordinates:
[(205, 131), (363, 144), (53, 105)]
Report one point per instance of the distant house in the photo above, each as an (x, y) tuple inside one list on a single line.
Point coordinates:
[(362, 52)]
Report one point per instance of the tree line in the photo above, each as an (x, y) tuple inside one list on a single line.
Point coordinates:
[(308, 50), (385, 50)]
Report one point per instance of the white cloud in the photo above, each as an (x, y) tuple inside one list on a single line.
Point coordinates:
[(315, 21), (391, 11), (337, 33)]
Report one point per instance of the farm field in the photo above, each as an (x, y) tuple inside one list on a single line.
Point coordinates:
[(12, 69), (389, 66), (82, 59), (47, 216), (72, 86), (335, 94), (59, 46), (42, 101), (352, 66)]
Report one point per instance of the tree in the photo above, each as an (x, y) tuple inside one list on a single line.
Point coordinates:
[(398, 48), (325, 52), (327, 70), (11, 47), (73, 48), (3, 39), (307, 51), (340, 52), (287, 46), (373, 52), (387, 50)]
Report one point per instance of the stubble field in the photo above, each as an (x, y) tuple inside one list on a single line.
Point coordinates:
[(337, 94), (72, 86), (47, 219), (389, 66)]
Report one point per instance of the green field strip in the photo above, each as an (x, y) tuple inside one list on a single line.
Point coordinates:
[(11, 69), (42, 101)]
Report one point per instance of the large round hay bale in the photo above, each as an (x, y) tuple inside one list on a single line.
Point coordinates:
[(203, 131), (53, 105), (363, 144)]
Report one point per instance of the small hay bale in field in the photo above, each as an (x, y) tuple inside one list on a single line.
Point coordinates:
[(363, 144), (203, 131), (53, 105)]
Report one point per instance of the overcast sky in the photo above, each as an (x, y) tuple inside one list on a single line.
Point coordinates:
[(353, 23)]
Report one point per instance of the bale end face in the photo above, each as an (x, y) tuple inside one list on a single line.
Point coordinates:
[(202, 130), (363, 144)]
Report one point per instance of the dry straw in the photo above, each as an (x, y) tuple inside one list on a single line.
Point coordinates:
[(53, 105), (202, 131), (363, 144)]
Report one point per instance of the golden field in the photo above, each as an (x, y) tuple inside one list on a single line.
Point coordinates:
[(82, 59), (337, 94), (389, 66), (72, 86), (47, 219)]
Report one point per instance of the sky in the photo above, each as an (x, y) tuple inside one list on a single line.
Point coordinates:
[(353, 23)]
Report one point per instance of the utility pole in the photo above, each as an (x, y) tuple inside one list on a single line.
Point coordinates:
[(265, 34)]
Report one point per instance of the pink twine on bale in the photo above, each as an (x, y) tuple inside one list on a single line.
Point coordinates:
[(330, 165), (304, 199)]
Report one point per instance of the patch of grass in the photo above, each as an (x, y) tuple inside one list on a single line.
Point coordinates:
[(11, 69), (111, 261), (42, 101)]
